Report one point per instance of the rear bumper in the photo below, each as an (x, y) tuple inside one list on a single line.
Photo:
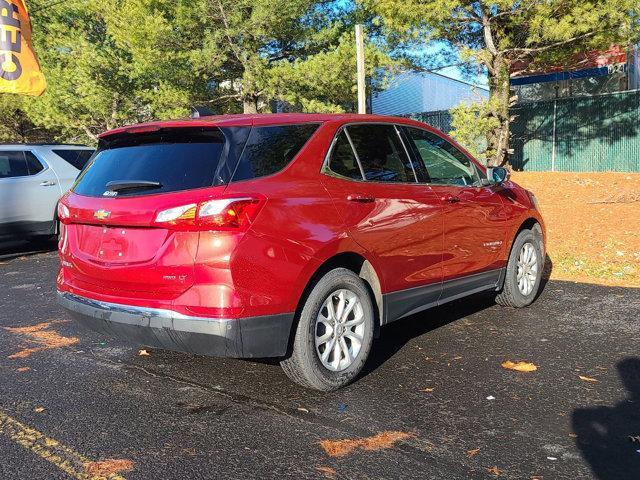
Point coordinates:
[(253, 337)]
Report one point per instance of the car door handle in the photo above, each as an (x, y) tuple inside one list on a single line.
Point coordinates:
[(48, 183), (354, 197), (451, 199)]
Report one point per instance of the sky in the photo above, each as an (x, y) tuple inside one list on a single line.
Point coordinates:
[(443, 54)]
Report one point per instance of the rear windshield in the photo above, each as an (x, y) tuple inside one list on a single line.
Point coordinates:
[(74, 157), (164, 161)]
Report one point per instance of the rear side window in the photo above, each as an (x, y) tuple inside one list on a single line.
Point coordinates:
[(269, 149), (343, 161), (76, 158), (381, 153), (168, 160), (19, 164)]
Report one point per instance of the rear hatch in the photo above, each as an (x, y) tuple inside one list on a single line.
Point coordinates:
[(112, 244)]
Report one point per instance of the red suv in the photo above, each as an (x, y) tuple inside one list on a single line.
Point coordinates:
[(292, 236)]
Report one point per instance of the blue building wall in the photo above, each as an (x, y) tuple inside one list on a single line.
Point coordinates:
[(417, 92)]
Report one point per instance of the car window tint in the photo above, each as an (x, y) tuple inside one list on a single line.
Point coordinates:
[(76, 158), (33, 164), (269, 149), (178, 159), (381, 154), (445, 164), (343, 161), (13, 164)]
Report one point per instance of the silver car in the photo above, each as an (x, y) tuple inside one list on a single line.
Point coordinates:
[(32, 179)]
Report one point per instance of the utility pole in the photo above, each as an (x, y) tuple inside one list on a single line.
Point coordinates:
[(362, 94)]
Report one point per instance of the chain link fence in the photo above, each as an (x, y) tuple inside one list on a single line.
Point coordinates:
[(580, 134)]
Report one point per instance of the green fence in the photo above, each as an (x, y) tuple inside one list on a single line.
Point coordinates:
[(579, 134), (582, 134)]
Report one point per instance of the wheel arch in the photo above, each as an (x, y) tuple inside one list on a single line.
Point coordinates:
[(534, 224), (358, 264)]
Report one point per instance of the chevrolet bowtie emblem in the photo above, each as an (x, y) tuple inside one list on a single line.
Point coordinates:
[(102, 214)]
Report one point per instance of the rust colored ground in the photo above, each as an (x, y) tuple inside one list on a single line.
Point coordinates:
[(105, 468), (381, 441), (41, 335), (593, 224)]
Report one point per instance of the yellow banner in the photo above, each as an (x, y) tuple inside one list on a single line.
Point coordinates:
[(19, 68)]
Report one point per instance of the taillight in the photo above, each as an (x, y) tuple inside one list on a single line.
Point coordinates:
[(218, 214), (63, 213)]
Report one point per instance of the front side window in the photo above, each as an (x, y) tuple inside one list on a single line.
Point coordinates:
[(19, 164), (269, 149), (343, 161), (445, 164), (381, 153)]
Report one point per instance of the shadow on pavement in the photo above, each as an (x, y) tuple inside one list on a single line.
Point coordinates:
[(10, 250), (609, 437), (397, 334)]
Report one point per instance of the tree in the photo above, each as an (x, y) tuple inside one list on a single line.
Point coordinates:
[(299, 51), (16, 126), (502, 35), (105, 70), (115, 62)]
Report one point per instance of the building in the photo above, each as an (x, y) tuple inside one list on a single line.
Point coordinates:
[(591, 73), (413, 92)]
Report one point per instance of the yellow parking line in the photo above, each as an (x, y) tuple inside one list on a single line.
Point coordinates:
[(65, 458)]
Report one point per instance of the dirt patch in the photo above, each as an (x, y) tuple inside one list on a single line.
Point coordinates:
[(108, 467), (593, 224), (381, 441), (42, 336)]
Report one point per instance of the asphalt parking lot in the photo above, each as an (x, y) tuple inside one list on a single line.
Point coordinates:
[(434, 402)]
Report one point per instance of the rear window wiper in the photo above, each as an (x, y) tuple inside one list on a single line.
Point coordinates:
[(117, 185)]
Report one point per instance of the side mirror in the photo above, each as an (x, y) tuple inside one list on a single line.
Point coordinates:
[(497, 175)]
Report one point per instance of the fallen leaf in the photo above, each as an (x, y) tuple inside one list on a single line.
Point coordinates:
[(23, 369), (105, 468), (381, 441), (143, 353), (327, 471), (586, 379), (301, 409), (473, 453), (519, 366), (41, 335), (495, 471), (428, 390), (39, 409)]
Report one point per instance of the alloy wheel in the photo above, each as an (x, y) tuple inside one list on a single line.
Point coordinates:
[(527, 269), (339, 330)]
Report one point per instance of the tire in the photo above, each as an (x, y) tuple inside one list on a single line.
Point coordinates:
[(305, 365), (514, 293)]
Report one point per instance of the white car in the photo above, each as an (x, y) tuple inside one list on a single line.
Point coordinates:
[(32, 180)]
